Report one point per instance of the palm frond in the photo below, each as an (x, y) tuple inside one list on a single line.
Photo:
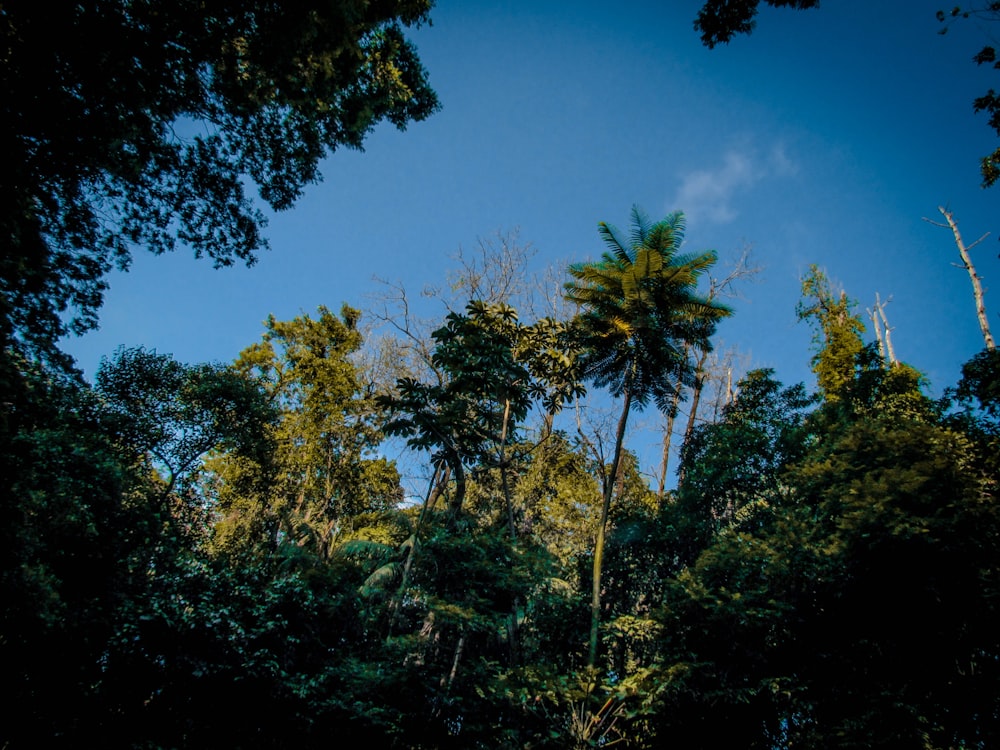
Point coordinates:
[(698, 263), (364, 549), (382, 578), (619, 249), (676, 222), (640, 227), (648, 263)]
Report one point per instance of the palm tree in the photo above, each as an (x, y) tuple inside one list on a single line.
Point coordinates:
[(639, 307)]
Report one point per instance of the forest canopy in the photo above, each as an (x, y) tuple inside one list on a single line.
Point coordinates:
[(232, 554), (139, 125), (823, 565)]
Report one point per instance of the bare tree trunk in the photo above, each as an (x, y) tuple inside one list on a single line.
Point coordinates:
[(609, 487), (977, 287), (459, 647), (439, 479), (503, 472), (742, 269), (512, 628), (699, 385), (668, 435), (883, 331), (880, 308), (877, 326)]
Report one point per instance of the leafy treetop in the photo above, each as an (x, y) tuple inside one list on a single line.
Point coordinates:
[(130, 123), (837, 337), (639, 305), (720, 20)]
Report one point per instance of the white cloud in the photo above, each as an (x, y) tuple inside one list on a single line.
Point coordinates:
[(711, 195), (780, 163)]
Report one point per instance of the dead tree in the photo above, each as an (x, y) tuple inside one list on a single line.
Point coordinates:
[(883, 331), (977, 286)]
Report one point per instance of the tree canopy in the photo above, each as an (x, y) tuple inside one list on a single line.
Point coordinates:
[(178, 539), (179, 536), (132, 124), (719, 21)]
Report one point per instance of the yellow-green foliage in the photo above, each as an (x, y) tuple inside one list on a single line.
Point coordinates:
[(837, 332)]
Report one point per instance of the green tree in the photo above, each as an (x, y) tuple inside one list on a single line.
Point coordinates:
[(980, 385), (857, 610), (556, 490), (130, 123), (978, 398), (78, 537), (639, 306), (837, 332), (168, 415), (638, 560), (101, 516), (905, 590), (490, 370), (720, 20), (733, 468), (322, 471)]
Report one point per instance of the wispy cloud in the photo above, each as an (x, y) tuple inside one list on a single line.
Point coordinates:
[(711, 195), (780, 163)]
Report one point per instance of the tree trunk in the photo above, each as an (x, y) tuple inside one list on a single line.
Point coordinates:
[(889, 351), (668, 435), (699, 385), (459, 647), (609, 487), (512, 630), (977, 287), (514, 633), (439, 479), (548, 422), (455, 501), (511, 527), (877, 326)]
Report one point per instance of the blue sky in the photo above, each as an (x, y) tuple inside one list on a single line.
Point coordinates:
[(823, 138)]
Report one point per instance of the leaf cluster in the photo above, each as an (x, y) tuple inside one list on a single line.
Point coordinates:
[(719, 21), (151, 141)]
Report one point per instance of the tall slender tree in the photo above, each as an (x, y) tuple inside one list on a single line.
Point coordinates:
[(639, 306), (837, 332), (977, 282)]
